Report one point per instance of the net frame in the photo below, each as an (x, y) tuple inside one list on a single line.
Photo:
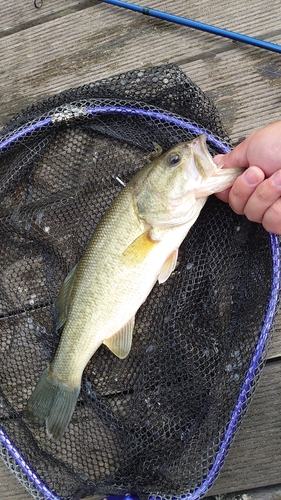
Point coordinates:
[(85, 110)]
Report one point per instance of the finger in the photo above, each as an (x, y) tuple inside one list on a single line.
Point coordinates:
[(219, 159), (265, 195), (272, 218), (236, 157), (223, 195), (244, 187)]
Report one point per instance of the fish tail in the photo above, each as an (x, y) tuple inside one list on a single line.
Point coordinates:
[(53, 402)]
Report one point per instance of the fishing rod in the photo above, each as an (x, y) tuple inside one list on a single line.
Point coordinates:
[(197, 25)]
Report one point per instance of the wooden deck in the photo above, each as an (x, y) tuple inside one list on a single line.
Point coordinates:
[(68, 43)]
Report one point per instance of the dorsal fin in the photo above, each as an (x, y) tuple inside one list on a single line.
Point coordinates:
[(63, 298)]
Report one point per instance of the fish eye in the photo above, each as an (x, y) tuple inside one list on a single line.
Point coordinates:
[(173, 159)]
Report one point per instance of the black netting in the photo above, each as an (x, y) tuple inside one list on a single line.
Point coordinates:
[(153, 423)]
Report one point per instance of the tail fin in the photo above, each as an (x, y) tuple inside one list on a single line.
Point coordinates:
[(52, 402)]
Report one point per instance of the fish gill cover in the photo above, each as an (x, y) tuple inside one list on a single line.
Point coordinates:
[(160, 422)]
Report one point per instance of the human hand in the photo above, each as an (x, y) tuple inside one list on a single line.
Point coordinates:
[(257, 192)]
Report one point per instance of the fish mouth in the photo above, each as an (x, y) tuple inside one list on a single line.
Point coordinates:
[(203, 160), (200, 146)]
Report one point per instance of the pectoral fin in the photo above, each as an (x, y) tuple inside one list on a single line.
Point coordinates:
[(168, 266), (120, 343), (138, 250), (63, 298)]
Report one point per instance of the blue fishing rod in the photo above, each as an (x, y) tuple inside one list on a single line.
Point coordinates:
[(197, 25)]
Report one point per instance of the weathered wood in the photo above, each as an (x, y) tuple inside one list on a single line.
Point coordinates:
[(15, 17), (271, 493), (97, 42), (100, 44), (10, 487), (275, 343), (244, 85), (258, 443)]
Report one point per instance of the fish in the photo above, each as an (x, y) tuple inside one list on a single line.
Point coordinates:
[(135, 245)]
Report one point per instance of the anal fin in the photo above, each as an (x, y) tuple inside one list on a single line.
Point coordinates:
[(120, 343), (168, 266)]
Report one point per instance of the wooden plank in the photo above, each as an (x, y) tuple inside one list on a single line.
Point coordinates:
[(244, 84), (10, 487), (45, 59), (275, 343), (15, 17), (97, 42), (270, 493), (258, 444), (248, 18)]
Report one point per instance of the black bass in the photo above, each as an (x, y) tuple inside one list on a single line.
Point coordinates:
[(135, 244)]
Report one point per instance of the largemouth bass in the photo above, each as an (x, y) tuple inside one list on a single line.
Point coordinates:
[(135, 244)]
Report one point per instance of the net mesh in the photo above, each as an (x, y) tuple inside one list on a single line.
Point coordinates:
[(151, 424)]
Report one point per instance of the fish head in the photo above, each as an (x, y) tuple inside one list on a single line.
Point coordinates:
[(203, 175), (178, 182)]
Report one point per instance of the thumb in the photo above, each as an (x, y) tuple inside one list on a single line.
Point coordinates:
[(236, 158), (219, 159)]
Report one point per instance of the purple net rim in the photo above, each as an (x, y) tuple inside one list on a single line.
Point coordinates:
[(257, 358), (72, 112), (25, 467)]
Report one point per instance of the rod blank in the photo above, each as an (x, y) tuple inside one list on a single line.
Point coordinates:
[(197, 25)]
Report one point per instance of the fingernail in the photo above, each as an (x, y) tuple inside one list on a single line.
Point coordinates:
[(251, 176), (276, 178)]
